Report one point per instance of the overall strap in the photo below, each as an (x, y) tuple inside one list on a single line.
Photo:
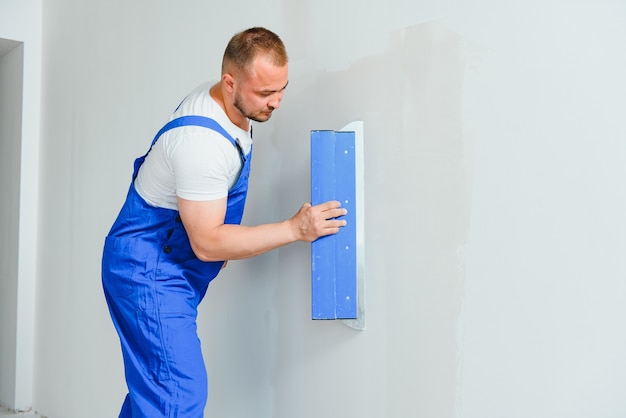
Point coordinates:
[(197, 121)]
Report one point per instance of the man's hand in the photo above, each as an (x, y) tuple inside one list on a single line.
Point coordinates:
[(312, 222)]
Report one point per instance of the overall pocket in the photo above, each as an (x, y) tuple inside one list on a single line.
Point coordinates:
[(119, 265)]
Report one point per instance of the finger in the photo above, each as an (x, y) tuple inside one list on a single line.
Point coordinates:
[(336, 223), (334, 228), (331, 204), (335, 213)]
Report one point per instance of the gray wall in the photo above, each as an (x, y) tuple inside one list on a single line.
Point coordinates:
[(494, 154), (11, 69)]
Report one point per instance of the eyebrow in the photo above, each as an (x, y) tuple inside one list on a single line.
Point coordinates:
[(274, 91)]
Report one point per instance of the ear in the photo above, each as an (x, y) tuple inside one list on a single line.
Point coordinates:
[(228, 81)]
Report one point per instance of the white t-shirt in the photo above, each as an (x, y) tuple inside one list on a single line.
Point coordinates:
[(193, 162)]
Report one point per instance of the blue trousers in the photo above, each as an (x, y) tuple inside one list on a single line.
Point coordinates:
[(153, 303)]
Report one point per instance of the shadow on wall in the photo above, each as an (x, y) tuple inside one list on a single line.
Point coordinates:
[(418, 197)]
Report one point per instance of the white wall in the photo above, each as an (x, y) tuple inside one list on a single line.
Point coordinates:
[(20, 25), (494, 153), (544, 288)]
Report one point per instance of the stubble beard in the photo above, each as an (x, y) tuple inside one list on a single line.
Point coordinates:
[(258, 117)]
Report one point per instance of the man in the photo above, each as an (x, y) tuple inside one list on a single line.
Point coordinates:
[(181, 220)]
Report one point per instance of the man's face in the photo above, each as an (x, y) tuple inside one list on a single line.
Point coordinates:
[(260, 90)]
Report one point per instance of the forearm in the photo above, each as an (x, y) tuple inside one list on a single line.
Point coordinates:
[(234, 242), (212, 240)]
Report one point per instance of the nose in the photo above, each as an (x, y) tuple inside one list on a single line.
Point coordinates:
[(275, 100)]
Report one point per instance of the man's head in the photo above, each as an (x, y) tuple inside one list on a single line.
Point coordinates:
[(254, 72), (247, 45)]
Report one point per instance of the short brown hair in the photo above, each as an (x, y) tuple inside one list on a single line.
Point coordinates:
[(244, 46)]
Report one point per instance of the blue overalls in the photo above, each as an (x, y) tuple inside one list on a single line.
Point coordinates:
[(153, 283)]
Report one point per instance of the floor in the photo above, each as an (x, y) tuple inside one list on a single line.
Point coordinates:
[(5, 413)]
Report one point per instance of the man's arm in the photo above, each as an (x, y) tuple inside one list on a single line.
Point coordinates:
[(212, 240)]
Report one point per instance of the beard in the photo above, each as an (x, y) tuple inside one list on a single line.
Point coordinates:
[(260, 116)]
